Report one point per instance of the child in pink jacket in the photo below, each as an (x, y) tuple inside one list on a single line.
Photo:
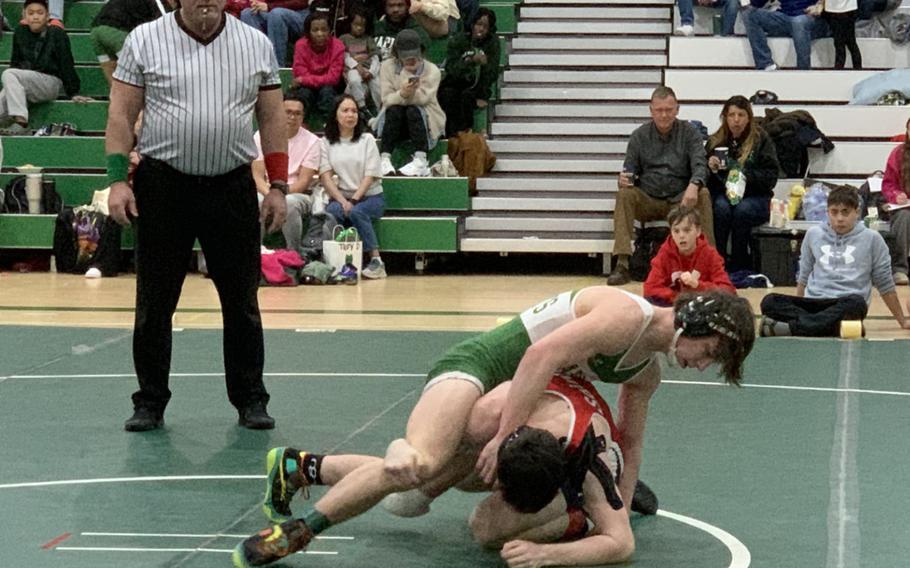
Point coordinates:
[(318, 64)]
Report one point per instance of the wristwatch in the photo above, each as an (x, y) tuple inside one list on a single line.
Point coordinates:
[(280, 186)]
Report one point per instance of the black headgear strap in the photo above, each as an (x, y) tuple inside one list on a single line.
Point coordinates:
[(701, 317)]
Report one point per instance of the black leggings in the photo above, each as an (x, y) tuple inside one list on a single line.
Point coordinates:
[(403, 123), (843, 30)]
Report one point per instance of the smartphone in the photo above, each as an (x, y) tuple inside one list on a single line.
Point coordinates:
[(412, 80)]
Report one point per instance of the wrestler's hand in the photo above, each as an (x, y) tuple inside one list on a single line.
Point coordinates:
[(401, 462), (523, 554), (486, 463)]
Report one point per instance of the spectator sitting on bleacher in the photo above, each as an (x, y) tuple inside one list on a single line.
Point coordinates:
[(318, 65), (438, 17), (472, 66), (750, 151), (351, 154), (798, 19), (664, 167), (685, 262), (41, 66), (281, 20), (116, 19), (303, 164), (396, 18), (839, 263), (896, 190), (361, 61), (687, 16), (410, 110)]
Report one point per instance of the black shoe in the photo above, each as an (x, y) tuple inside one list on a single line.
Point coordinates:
[(619, 276), (144, 419), (644, 501), (255, 417)]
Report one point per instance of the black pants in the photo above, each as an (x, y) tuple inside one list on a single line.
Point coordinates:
[(222, 212), (814, 317), (458, 102), (403, 123), (843, 30)]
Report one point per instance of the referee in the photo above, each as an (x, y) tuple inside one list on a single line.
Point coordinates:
[(198, 76)]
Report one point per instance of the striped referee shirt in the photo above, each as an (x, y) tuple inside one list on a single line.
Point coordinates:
[(199, 94)]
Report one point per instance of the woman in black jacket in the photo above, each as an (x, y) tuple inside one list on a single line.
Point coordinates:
[(471, 69), (750, 151)]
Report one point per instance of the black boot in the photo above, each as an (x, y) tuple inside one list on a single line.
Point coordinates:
[(144, 419), (255, 417)]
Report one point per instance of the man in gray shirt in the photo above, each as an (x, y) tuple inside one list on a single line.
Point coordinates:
[(664, 167)]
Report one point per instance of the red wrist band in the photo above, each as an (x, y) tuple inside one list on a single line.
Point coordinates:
[(276, 166)]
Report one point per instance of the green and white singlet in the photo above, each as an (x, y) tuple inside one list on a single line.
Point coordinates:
[(491, 358)]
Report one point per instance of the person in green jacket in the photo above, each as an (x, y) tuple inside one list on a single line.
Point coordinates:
[(472, 66), (41, 67)]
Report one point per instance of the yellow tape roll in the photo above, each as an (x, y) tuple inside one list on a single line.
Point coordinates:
[(851, 329)]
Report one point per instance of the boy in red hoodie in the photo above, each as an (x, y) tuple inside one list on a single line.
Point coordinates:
[(685, 262)]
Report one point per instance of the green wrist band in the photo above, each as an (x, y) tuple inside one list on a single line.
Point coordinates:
[(118, 167)]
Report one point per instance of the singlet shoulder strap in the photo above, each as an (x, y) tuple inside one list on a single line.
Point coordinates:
[(647, 311)]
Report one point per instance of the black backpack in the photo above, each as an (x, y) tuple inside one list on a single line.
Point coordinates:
[(319, 229), (647, 242), (85, 239), (16, 201)]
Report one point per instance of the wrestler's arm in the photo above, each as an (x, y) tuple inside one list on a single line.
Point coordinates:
[(632, 405)]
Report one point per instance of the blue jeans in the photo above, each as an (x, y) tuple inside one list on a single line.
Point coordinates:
[(738, 219), (278, 24), (730, 7), (361, 218), (761, 24)]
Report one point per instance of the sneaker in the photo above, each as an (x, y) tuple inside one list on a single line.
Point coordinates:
[(772, 67), (271, 544), (417, 167), (686, 30), (619, 276), (16, 129), (144, 419), (255, 417), (282, 483), (901, 279), (385, 165), (644, 501), (766, 327), (347, 274), (375, 270)]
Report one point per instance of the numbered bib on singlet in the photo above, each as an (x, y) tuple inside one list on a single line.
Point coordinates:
[(547, 316)]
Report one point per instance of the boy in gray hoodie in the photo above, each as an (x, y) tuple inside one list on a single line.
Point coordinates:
[(839, 263)]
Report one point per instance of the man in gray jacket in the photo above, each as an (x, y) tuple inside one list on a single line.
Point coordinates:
[(839, 263), (665, 166)]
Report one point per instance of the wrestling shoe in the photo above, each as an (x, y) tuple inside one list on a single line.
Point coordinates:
[(273, 543), (644, 501), (285, 477)]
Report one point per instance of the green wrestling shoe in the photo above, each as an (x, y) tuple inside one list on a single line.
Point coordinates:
[(285, 478), (271, 544)]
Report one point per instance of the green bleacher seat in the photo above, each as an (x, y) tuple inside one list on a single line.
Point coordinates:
[(79, 43), (82, 152), (76, 15), (89, 117)]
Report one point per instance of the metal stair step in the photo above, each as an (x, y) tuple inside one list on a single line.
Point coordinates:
[(572, 59), (595, 28), (549, 183), (524, 164), (594, 12), (544, 76), (544, 204), (580, 111), (531, 224), (588, 44), (532, 244), (592, 92), (567, 129), (556, 146)]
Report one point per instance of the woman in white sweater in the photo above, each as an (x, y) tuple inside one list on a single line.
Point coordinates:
[(410, 111), (351, 154)]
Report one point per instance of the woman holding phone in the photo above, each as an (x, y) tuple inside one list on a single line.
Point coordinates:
[(410, 111)]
